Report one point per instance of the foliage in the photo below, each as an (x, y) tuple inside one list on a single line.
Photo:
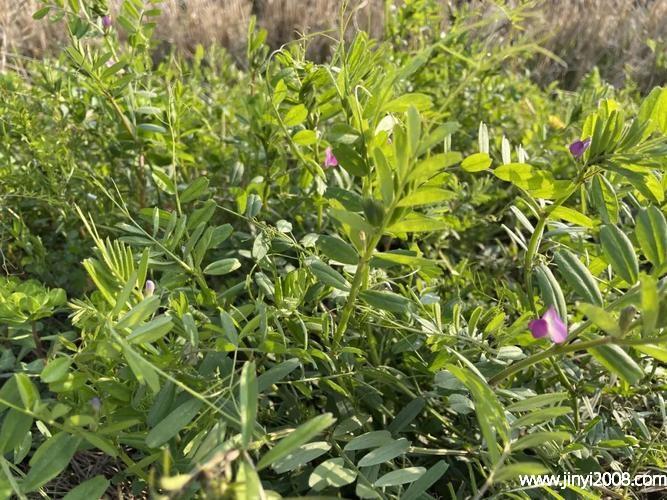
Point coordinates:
[(246, 322)]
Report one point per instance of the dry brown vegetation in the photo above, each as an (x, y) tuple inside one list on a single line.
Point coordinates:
[(612, 34)]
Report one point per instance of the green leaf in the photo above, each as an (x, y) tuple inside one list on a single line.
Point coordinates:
[(385, 176), (152, 127), (401, 104), (277, 373), (417, 223), (407, 415), (405, 259), (41, 13), (99, 442), (654, 108), (650, 303), (190, 329), (249, 484), (536, 439), (387, 301), (413, 127), (301, 456), (617, 361), (279, 93), (337, 249), (371, 439), (329, 276), (141, 368), (658, 352), (295, 439), (476, 162), (222, 266), (355, 221), (601, 318), (49, 460), (604, 199), (618, 251), (351, 160), (151, 331), (89, 490), (426, 196), (331, 473), (573, 216), (173, 423), (27, 390), (489, 411), (15, 426), (248, 402), (305, 137), (295, 116), (425, 481), (432, 165), (139, 313), (512, 471), (124, 295), (651, 232), (55, 370), (385, 453), (540, 416), (536, 182), (196, 189), (537, 401), (578, 276), (398, 477)]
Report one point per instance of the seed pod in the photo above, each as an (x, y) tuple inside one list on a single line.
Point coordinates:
[(578, 277), (550, 290)]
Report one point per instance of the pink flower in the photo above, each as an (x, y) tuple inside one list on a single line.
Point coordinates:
[(330, 159), (549, 324), (578, 148)]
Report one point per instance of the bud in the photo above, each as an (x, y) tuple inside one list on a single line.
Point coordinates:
[(96, 404), (106, 22), (149, 289), (628, 315)]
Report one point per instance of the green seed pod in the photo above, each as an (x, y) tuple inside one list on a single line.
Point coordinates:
[(550, 290), (578, 277)]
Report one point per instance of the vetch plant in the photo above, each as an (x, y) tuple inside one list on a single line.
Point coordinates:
[(298, 278)]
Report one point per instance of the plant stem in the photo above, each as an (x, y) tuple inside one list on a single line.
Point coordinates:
[(359, 278), (536, 239), (39, 348), (577, 346)]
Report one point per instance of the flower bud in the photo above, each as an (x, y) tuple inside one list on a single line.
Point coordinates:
[(149, 289)]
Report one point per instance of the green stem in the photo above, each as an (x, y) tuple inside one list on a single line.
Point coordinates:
[(577, 346), (536, 239), (39, 349), (359, 278)]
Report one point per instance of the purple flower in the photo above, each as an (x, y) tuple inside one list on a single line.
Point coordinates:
[(96, 404), (106, 22), (549, 324), (577, 148), (330, 160), (149, 289)]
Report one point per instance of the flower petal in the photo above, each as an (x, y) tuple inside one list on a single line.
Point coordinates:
[(577, 148), (555, 325), (539, 328), (330, 159)]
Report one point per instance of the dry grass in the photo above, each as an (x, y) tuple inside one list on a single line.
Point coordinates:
[(584, 33), (611, 34)]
